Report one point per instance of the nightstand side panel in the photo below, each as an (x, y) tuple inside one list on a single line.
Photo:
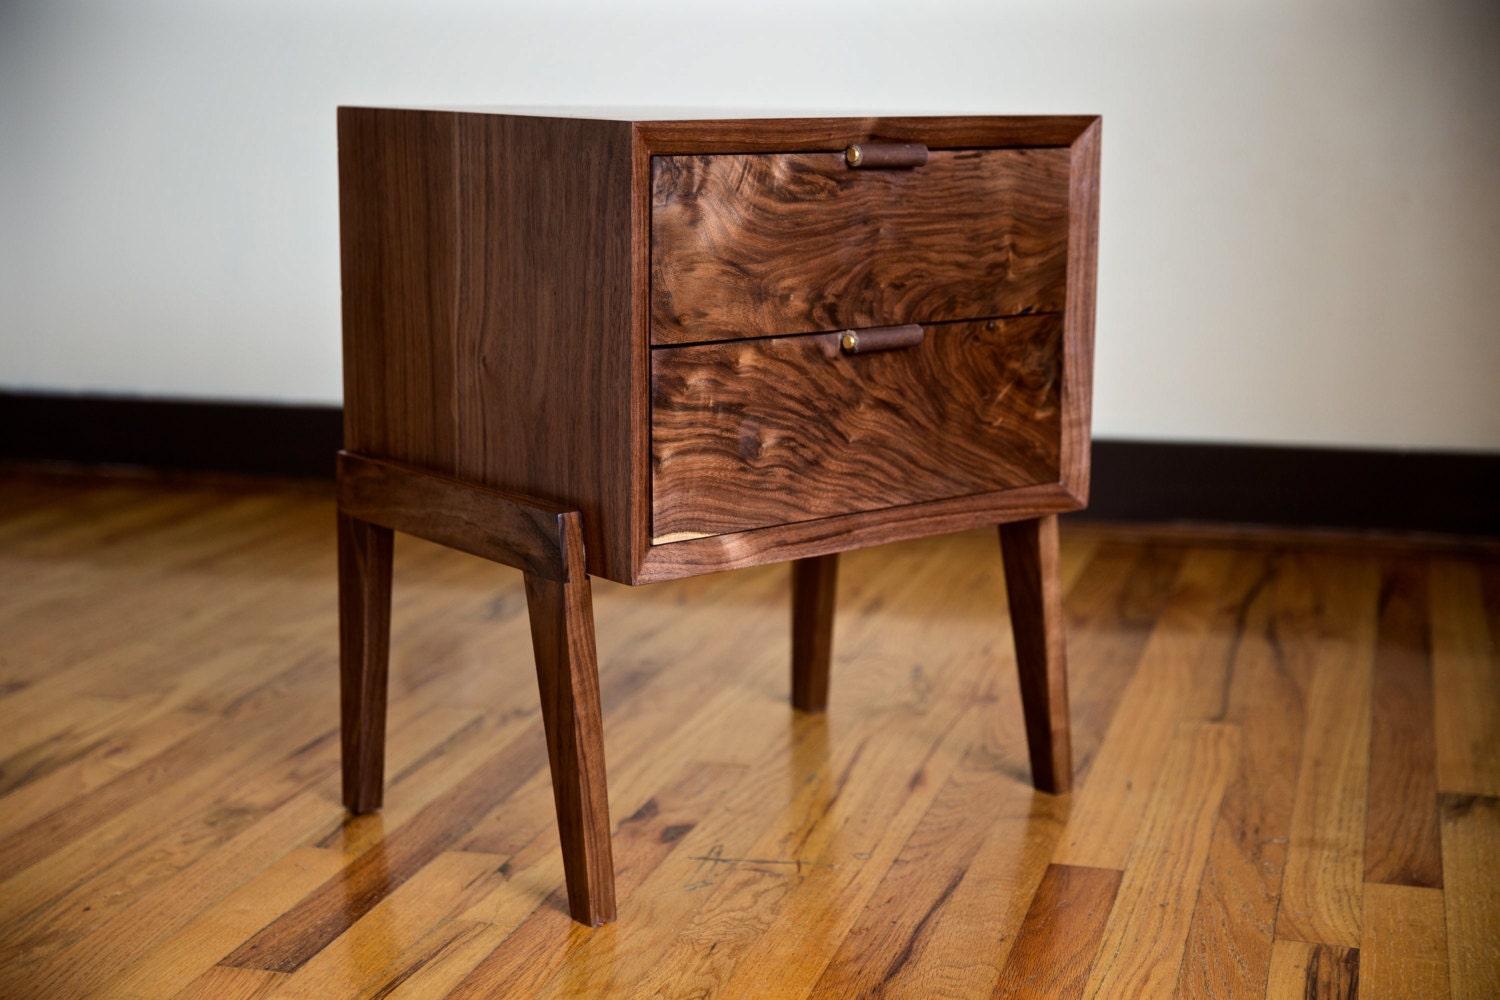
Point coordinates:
[(397, 202), (547, 365), (487, 306)]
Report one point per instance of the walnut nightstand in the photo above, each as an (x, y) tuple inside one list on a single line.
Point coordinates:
[(645, 350)]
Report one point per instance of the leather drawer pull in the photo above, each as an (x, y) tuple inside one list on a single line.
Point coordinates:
[(881, 338), (885, 155)]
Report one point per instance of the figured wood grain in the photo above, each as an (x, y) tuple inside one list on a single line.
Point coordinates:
[(1034, 593), (753, 433), (1403, 948), (814, 592), (1402, 844), (757, 246)]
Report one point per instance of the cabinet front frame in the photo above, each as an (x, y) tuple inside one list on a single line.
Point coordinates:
[(827, 535)]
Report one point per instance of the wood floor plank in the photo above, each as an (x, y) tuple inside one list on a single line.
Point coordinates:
[(1404, 950), (1181, 677), (171, 899), (443, 822), (104, 763), (840, 821), (1061, 934), (832, 893), (1471, 893), (530, 957), (1234, 920), (1402, 844), (841, 828), (1466, 681), (168, 771), (616, 958), (368, 953), (325, 914), (727, 730), (1304, 971), (31, 891), (944, 917), (1111, 611), (901, 921), (1323, 882), (176, 962), (220, 983), (1143, 941)]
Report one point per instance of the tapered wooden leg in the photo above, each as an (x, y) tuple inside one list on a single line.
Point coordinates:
[(364, 654), (814, 585), (1036, 619), (562, 635)]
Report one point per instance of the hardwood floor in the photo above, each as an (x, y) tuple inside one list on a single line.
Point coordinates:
[(1287, 752)]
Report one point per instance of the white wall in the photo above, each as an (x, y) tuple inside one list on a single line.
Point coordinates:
[(1301, 200)]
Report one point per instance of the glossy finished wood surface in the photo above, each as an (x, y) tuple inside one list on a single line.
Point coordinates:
[(769, 245), (171, 821), (746, 434), (470, 350), (815, 584), (562, 638), (458, 356), (1033, 591), (365, 552)]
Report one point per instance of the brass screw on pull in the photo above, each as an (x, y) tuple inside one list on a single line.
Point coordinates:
[(850, 341), (853, 155)]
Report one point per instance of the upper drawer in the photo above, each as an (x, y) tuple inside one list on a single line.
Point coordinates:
[(762, 245)]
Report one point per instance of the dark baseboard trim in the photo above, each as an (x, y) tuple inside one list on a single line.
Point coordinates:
[(1456, 493), (1342, 488), (239, 438)]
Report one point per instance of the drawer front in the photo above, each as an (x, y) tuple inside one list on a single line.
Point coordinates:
[(764, 245), (746, 434)]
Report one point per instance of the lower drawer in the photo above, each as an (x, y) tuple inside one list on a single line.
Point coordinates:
[(751, 433)]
